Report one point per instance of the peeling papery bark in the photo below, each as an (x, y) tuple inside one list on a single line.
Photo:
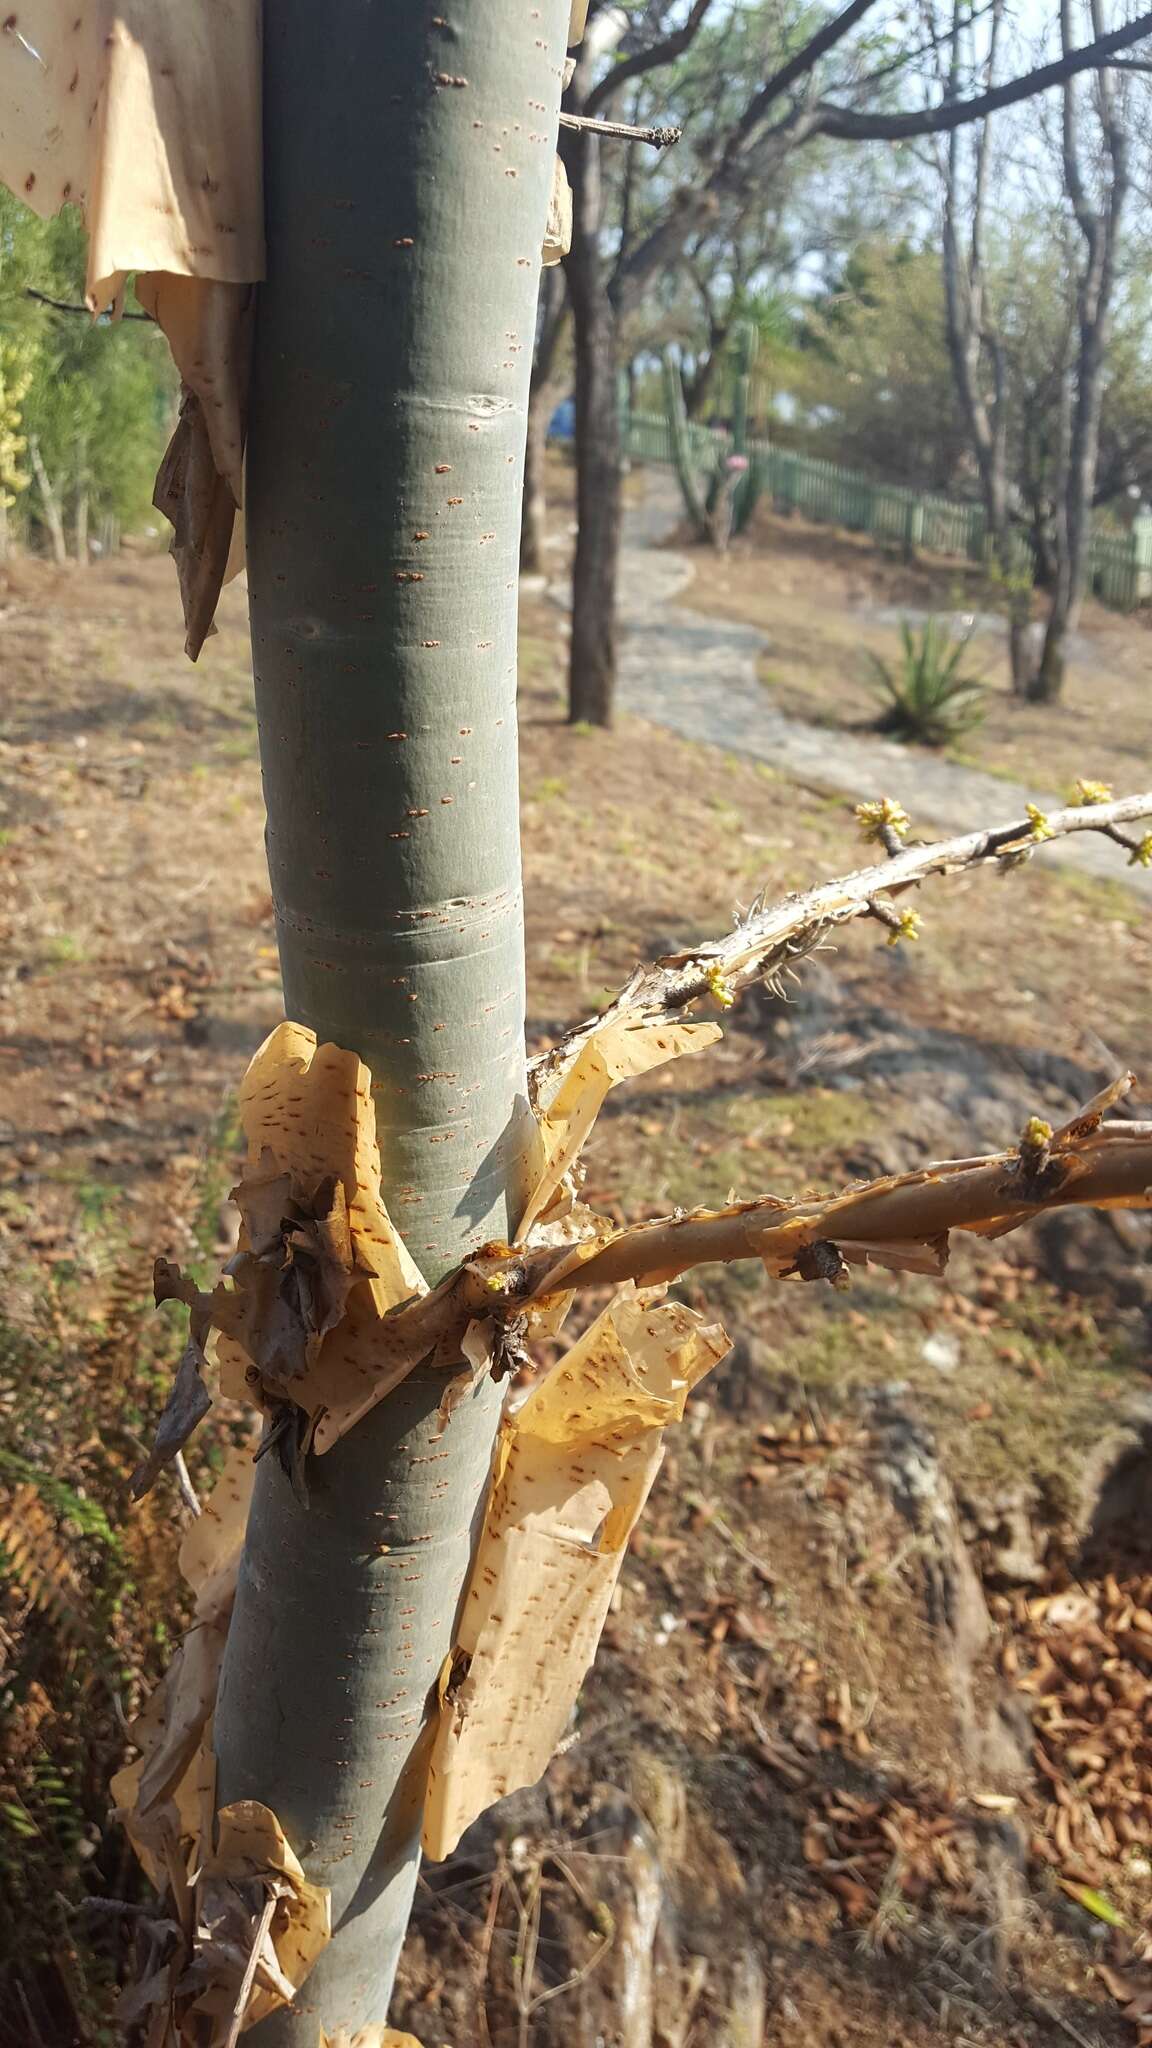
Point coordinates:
[(574, 1467), (245, 1925), (145, 114)]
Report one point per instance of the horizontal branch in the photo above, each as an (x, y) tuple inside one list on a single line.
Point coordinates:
[(902, 1221), (494, 1299), (848, 125), (623, 131), (769, 942)]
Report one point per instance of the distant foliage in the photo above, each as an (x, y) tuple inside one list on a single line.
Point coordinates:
[(932, 701), (96, 399), (875, 390)]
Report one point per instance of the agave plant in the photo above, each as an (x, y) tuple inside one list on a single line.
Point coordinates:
[(932, 699)]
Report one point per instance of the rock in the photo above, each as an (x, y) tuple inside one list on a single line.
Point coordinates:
[(941, 1351), (1096, 1255)]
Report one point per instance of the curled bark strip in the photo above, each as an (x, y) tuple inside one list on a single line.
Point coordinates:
[(902, 1219)]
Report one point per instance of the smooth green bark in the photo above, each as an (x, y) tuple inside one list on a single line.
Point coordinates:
[(409, 161)]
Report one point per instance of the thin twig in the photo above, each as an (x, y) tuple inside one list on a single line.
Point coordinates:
[(657, 138), (1051, 2013), (188, 1493), (249, 1977), (737, 1543), (65, 306)]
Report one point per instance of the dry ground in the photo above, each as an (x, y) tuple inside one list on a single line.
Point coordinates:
[(816, 592), (810, 1682)]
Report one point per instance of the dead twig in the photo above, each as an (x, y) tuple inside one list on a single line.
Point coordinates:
[(188, 1493), (65, 306), (657, 138)]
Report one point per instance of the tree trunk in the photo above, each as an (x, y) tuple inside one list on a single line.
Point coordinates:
[(1097, 214), (1048, 681), (599, 478), (80, 512), (599, 511), (544, 395), (703, 379), (384, 478), (49, 503), (1074, 530), (534, 511)]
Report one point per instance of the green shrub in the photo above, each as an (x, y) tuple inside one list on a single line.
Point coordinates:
[(932, 700)]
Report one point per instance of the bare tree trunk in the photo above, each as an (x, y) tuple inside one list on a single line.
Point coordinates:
[(599, 479), (599, 454), (80, 527), (1098, 220), (973, 339), (703, 379), (1048, 682), (544, 394), (49, 503)]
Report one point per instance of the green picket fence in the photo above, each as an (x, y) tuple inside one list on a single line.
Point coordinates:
[(1121, 563)]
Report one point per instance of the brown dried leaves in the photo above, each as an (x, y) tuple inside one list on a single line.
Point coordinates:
[(1088, 1670), (870, 1853)]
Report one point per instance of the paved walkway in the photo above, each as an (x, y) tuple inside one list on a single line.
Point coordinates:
[(697, 675)]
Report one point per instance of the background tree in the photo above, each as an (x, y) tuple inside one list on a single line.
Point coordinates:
[(976, 345), (791, 109), (98, 399), (1097, 177), (873, 384)]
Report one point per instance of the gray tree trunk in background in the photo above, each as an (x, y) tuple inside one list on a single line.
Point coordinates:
[(49, 503), (976, 347), (1096, 184), (549, 382), (409, 162), (80, 515)]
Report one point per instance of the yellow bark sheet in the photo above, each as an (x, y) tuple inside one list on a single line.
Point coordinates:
[(573, 1470)]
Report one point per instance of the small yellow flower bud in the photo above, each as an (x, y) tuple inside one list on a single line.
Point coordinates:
[(1092, 792), (908, 928), (872, 819), (1041, 829), (1141, 856), (720, 988)]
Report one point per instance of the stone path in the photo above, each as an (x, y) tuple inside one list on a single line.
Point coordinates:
[(697, 675)]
